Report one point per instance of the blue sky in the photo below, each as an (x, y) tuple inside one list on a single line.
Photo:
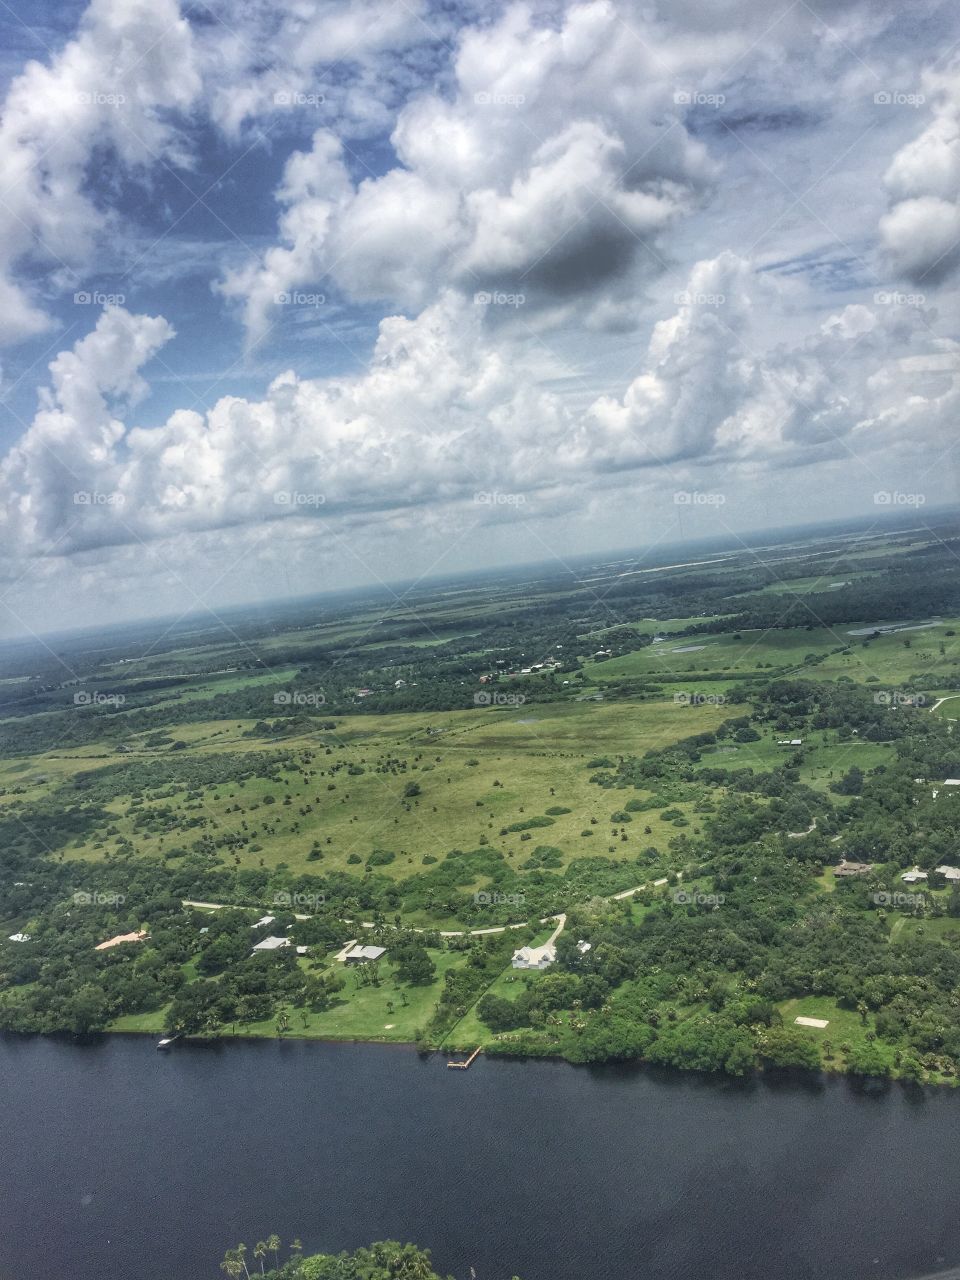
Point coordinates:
[(300, 295)]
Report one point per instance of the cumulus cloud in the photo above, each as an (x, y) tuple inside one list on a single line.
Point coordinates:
[(109, 88), (552, 167), (921, 231), (445, 411)]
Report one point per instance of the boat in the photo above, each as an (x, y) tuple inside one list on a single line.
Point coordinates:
[(167, 1041)]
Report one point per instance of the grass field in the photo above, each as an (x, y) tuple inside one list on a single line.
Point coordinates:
[(539, 755)]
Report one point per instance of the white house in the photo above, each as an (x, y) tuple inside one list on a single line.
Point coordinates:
[(360, 955), (534, 957), (950, 873), (19, 937), (272, 944), (263, 922), (912, 877), (584, 947)]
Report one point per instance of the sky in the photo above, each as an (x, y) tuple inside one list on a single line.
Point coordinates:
[(297, 296)]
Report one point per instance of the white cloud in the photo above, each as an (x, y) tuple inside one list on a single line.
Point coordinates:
[(552, 169), (921, 232), (108, 88), (445, 410)]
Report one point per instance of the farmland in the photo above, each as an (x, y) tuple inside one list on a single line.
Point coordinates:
[(494, 753)]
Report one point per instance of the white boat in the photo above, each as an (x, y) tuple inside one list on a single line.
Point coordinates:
[(167, 1041)]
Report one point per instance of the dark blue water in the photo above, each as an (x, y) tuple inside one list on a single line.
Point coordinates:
[(121, 1162)]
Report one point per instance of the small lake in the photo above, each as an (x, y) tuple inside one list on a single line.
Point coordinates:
[(122, 1162)]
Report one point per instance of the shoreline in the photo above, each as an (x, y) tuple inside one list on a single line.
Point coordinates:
[(758, 1073)]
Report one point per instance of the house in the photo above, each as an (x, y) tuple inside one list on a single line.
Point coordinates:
[(302, 951), (19, 937), (263, 922), (138, 936), (789, 742), (952, 782), (584, 947), (271, 944), (852, 868), (534, 957), (912, 877), (948, 872), (399, 684), (363, 955)]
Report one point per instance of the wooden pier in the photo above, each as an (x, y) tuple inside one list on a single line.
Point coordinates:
[(462, 1066)]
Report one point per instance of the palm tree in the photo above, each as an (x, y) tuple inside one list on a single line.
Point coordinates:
[(296, 1246), (260, 1251), (231, 1265), (273, 1244)]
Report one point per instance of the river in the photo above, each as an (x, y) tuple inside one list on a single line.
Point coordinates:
[(121, 1162)]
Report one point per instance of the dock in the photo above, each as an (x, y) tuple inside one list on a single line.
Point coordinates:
[(462, 1066)]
